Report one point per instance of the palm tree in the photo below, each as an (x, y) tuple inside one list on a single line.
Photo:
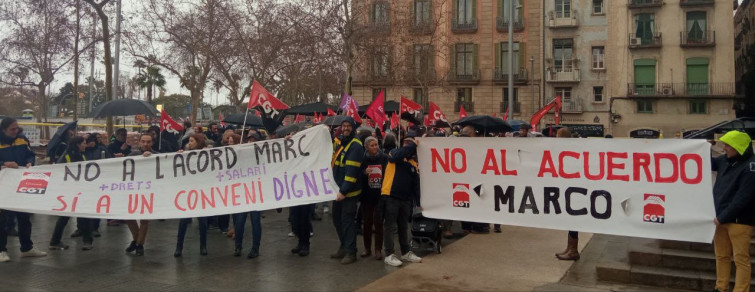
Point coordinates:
[(150, 79), (139, 64)]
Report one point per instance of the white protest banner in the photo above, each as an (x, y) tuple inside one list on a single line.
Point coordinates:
[(224, 180), (644, 188)]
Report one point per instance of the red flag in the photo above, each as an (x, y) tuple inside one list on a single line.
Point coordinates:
[(259, 96), (506, 114), (427, 121), (462, 112), (222, 123), (436, 114), (316, 119), (394, 121), (408, 106), (376, 111), (541, 113), (353, 112), (168, 124), (299, 119), (331, 112)]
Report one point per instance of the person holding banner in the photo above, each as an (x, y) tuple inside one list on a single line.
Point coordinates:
[(196, 142), (346, 171), (16, 152), (733, 198), (374, 164), (139, 228), (75, 153), (473, 227), (571, 253), (255, 219)]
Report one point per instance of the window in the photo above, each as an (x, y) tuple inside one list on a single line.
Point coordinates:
[(645, 106), (563, 8), (505, 5), (564, 93), (465, 11), (597, 94), (422, 59), (505, 106), (645, 27), (504, 65), (380, 12), (562, 54), (598, 57), (380, 63), (422, 12), (464, 95), (697, 76), (597, 7), (465, 65), (698, 107), (420, 97), (696, 26), (376, 91)]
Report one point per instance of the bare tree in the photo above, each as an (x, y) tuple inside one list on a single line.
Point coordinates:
[(99, 8)]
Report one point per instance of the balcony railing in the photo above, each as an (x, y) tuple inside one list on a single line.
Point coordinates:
[(468, 106), (564, 71), (423, 26), (465, 26), (470, 77), (572, 106), (501, 76), (502, 24), (645, 41), (380, 26), (681, 89), (645, 3), (562, 19), (706, 39), (505, 106), (696, 3)]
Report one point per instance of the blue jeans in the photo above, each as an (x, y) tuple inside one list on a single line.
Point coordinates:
[(344, 219), (184, 224), (239, 220)]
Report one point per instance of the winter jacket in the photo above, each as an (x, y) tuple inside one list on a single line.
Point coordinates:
[(16, 150), (372, 172), (115, 148), (348, 165), (96, 152), (72, 155), (734, 189), (401, 178)]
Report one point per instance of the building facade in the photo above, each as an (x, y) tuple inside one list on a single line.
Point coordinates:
[(670, 65)]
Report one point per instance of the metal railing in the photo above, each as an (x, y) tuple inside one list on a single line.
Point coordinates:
[(505, 106), (645, 40), (681, 89), (467, 26), (696, 2), (559, 19), (472, 76), (563, 71), (468, 106), (706, 39), (501, 75), (645, 3), (502, 24), (571, 106)]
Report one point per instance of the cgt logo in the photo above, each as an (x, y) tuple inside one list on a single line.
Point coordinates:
[(654, 211), (461, 195), (34, 183)]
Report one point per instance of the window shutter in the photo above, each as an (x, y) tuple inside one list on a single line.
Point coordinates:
[(475, 53), (452, 62), (522, 59), (498, 56)]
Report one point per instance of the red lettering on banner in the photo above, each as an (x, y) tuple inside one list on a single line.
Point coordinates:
[(193, 199), (616, 166), (146, 205), (208, 200), (561, 163), (454, 159), (234, 195), (175, 201), (450, 160), (601, 158), (60, 199), (674, 167), (259, 186), (104, 201), (683, 165), (438, 160), (248, 195), (490, 163), (546, 165), (505, 171), (641, 162)]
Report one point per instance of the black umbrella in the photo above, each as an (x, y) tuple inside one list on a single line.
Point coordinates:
[(252, 120), (124, 107), (310, 109), (334, 120), (389, 107), (486, 124), (285, 130), (59, 137)]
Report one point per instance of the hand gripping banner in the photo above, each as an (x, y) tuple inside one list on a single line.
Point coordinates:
[(224, 180), (644, 188)]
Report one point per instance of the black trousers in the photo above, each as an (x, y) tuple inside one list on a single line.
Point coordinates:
[(300, 221)]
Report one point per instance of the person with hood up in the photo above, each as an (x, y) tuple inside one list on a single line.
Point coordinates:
[(733, 194), (373, 167), (346, 169)]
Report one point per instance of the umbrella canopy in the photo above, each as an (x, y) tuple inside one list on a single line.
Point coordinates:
[(334, 120), (124, 107), (59, 137), (252, 120), (515, 124), (285, 130), (484, 123), (310, 109)]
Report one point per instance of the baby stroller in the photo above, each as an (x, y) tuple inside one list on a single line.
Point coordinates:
[(427, 233)]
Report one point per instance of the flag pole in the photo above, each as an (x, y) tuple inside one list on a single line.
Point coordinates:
[(243, 126), (160, 144)]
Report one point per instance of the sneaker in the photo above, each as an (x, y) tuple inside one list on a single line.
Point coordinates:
[(4, 257), (392, 260), (349, 259), (33, 252), (96, 233), (76, 233), (291, 234), (411, 257), (253, 253), (87, 246), (58, 246)]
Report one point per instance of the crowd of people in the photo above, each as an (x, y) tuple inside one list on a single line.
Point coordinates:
[(378, 192)]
